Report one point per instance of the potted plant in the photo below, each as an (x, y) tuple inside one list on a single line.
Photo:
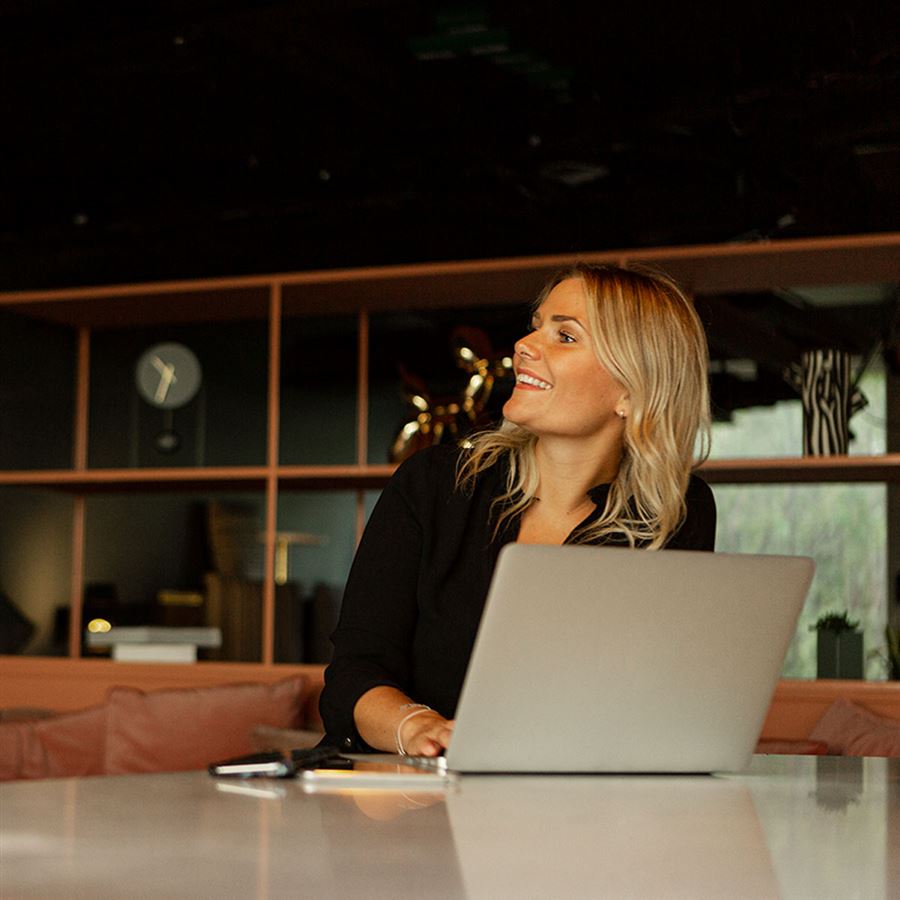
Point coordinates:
[(839, 646)]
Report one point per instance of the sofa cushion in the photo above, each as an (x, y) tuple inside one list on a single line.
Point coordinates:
[(74, 743), (21, 754), (851, 730), (60, 747), (175, 730), (26, 714)]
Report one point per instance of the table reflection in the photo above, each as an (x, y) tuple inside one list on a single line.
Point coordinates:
[(390, 844), (790, 827), (831, 824), (616, 837)]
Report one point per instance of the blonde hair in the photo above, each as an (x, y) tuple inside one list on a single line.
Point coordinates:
[(648, 336)]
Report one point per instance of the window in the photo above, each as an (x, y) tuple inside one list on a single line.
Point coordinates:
[(842, 526)]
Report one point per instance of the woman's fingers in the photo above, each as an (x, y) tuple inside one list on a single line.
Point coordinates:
[(431, 737)]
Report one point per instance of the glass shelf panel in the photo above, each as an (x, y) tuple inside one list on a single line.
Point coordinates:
[(35, 561), (178, 560), (37, 392), (319, 372), (223, 424), (315, 543), (413, 350)]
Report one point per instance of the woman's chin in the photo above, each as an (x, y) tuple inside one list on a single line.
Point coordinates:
[(512, 414)]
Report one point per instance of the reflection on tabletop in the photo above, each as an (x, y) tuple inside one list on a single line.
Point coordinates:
[(791, 827)]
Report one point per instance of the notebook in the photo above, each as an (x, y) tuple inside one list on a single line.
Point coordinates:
[(596, 659)]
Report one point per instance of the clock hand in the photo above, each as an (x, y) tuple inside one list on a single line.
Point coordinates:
[(166, 379)]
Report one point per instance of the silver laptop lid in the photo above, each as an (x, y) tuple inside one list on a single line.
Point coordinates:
[(597, 659)]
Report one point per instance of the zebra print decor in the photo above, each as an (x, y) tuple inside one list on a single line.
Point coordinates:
[(829, 400)]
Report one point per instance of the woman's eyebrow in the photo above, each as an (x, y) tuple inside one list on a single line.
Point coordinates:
[(560, 318)]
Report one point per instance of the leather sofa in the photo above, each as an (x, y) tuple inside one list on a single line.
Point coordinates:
[(171, 730)]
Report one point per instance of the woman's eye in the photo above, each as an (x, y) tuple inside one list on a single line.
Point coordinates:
[(566, 338)]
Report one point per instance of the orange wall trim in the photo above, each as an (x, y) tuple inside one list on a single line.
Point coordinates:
[(798, 705), (68, 684)]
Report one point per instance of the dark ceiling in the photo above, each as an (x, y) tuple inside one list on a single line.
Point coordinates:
[(216, 138)]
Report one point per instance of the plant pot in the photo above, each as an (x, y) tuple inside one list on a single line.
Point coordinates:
[(839, 654)]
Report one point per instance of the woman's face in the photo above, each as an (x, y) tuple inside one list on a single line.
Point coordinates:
[(561, 387)]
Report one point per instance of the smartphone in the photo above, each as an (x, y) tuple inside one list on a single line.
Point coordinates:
[(274, 764), (255, 765)]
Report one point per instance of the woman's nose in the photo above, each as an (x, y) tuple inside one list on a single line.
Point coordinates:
[(526, 349)]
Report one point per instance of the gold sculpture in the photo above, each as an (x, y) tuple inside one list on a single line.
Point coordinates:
[(439, 418)]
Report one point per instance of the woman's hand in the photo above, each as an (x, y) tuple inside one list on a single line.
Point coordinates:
[(388, 720), (427, 734)]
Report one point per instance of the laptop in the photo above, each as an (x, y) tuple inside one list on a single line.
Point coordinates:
[(599, 659)]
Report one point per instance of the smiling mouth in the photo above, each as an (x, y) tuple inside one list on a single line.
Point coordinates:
[(521, 378)]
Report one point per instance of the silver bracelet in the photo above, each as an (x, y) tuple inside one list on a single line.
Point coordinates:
[(422, 708)]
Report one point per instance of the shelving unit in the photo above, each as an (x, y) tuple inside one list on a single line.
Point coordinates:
[(272, 299)]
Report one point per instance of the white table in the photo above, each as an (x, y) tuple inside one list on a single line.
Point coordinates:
[(801, 827)]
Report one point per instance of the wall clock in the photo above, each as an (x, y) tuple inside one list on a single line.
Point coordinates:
[(168, 375)]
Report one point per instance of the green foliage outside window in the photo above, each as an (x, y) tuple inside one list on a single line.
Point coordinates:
[(842, 526)]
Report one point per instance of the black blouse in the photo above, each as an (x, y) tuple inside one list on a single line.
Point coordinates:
[(418, 583)]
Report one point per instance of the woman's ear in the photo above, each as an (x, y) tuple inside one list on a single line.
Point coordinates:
[(623, 406)]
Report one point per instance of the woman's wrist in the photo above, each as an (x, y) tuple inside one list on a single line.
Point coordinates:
[(410, 710), (382, 719)]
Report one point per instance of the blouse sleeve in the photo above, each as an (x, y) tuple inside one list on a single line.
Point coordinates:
[(698, 531), (374, 634)]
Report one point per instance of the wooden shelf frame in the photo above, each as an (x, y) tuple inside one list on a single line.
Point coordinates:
[(705, 269), (362, 477), (812, 469)]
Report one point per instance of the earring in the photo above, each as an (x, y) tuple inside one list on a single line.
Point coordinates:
[(620, 413)]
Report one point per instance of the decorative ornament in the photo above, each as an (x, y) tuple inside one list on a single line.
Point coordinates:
[(440, 419), (830, 397)]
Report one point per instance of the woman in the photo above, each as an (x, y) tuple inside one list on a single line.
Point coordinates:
[(597, 446)]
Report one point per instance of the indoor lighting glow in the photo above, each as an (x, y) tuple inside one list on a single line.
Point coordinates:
[(98, 626)]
